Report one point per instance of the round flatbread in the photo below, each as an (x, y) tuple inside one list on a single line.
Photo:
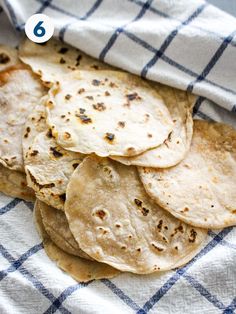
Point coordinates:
[(53, 59), (201, 190), (114, 221), (48, 166), (8, 57), (79, 268), (175, 147), (57, 227), (107, 113), (20, 91), (13, 183)]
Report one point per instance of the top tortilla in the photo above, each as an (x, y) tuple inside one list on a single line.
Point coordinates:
[(175, 147), (201, 190), (53, 59), (114, 221), (107, 113), (20, 91)]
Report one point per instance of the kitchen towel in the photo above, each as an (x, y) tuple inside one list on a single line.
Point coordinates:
[(188, 44)]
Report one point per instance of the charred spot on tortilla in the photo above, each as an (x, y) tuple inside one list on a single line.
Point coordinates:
[(4, 58), (96, 82), (99, 106), (62, 197), (68, 97), (63, 50), (133, 96), (34, 153), (78, 59), (55, 152), (110, 137), (192, 236), (62, 61), (84, 118), (49, 133), (81, 90), (89, 97), (121, 124), (67, 135), (75, 165), (112, 85), (27, 132)]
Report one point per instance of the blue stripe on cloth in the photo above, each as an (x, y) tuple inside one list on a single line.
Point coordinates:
[(213, 61), (222, 242), (35, 282), (58, 9), (231, 308), (12, 14), (86, 16), (30, 205), (170, 38), (119, 30), (44, 5), (179, 273), (92, 10), (16, 264), (117, 291), (198, 104), (9, 206), (41, 9), (172, 62), (204, 292), (66, 293), (204, 116), (163, 14)]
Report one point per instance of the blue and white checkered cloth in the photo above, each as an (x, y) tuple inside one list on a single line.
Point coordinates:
[(184, 43)]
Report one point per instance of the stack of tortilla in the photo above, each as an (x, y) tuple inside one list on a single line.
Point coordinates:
[(124, 179)]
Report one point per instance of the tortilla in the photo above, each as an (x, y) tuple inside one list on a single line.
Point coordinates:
[(201, 190), (115, 222), (176, 146), (53, 59), (57, 227), (8, 57), (13, 183), (35, 123), (48, 166), (107, 113), (79, 268), (20, 91)]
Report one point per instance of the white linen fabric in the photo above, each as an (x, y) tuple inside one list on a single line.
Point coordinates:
[(188, 44)]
